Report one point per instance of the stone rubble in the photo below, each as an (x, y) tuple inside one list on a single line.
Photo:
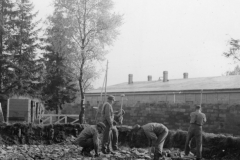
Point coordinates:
[(67, 151)]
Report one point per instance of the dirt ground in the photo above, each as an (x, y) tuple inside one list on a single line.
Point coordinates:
[(67, 151), (21, 141)]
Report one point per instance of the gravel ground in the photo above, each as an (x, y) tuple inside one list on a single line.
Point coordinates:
[(73, 152), (67, 151)]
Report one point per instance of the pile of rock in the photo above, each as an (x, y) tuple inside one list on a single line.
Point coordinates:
[(58, 152)]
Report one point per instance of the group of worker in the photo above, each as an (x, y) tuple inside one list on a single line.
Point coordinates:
[(89, 137), (156, 133)]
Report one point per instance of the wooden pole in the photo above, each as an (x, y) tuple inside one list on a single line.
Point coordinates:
[(104, 86), (105, 98), (1, 115), (99, 103)]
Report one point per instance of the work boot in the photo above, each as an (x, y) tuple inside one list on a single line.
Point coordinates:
[(83, 150), (87, 152), (115, 148), (157, 156), (104, 151), (107, 152), (110, 151)]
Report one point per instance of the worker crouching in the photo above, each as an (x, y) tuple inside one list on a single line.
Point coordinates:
[(89, 139), (156, 134)]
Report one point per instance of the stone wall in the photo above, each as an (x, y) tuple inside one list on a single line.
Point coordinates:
[(209, 97), (221, 118)]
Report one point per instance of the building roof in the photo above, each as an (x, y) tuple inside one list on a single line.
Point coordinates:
[(206, 83)]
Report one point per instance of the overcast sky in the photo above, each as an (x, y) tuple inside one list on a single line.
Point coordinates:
[(169, 35)]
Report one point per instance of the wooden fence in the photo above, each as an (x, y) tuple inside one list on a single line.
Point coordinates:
[(58, 118)]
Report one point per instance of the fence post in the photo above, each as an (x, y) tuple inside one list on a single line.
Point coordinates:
[(7, 119), (50, 119), (1, 115), (65, 119)]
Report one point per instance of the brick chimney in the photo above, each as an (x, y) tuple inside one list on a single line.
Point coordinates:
[(149, 78), (165, 76), (185, 75), (130, 78)]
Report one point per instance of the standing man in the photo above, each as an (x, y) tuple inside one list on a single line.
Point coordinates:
[(195, 130), (89, 139), (156, 134), (111, 130), (118, 119)]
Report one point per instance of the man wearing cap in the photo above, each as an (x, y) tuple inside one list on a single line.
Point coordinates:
[(110, 135), (197, 119), (89, 139), (156, 134)]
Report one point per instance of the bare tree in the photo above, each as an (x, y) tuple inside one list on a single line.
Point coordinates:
[(235, 71), (233, 50), (94, 26)]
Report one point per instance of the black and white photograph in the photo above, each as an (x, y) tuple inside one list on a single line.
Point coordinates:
[(119, 79)]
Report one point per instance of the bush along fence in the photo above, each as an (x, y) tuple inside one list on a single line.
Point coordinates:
[(214, 145), (221, 118), (37, 134)]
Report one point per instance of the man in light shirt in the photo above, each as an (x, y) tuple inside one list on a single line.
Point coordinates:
[(197, 119)]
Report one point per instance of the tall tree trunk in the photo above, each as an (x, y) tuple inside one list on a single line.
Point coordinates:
[(82, 106), (80, 80)]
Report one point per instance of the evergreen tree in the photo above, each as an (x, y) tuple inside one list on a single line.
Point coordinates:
[(21, 44), (60, 84), (6, 12)]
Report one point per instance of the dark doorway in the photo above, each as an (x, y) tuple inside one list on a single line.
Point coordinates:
[(32, 103)]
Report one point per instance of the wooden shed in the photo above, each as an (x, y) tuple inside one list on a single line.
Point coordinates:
[(24, 109)]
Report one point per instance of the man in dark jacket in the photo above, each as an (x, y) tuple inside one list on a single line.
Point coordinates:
[(89, 139), (156, 134), (108, 120)]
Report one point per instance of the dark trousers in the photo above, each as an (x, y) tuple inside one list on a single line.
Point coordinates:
[(194, 131), (114, 138), (110, 137), (87, 144)]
